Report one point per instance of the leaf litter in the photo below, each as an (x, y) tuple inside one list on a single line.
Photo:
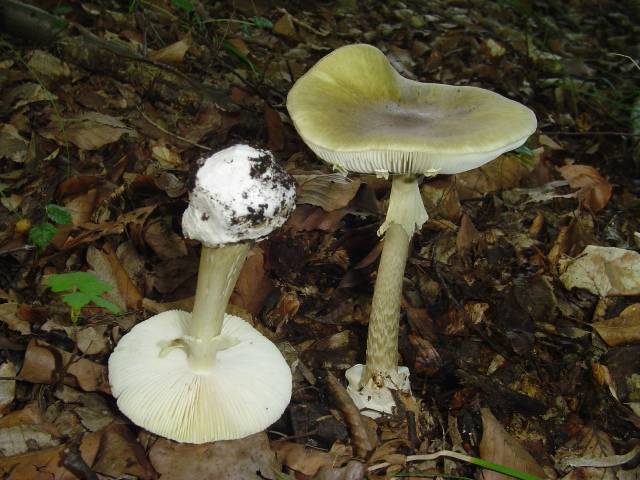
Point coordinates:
[(520, 297)]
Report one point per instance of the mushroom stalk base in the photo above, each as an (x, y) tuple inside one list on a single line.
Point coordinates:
[(217, 275), (373, 400), (382, 339)]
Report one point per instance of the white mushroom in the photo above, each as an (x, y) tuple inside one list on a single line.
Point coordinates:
[(357, 113), (210, 376)]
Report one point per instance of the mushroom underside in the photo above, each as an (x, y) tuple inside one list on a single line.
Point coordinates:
[(246, 389)]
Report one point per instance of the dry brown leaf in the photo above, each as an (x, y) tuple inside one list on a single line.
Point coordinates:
[(163, 240), (504, 172), (12, 145), (363, 439), (303, 459), (253, 285), (308, 217), (440, 198), (10, 316), (122, 455), (88, 131), (7, 387), (592, 444), (128, 290), (275, 129), (329, 191), (46, 66), (625, 328), (247, 459), (99, 262), (44, 363), (81, 207), (603, 271), (285, 26), (172, 54), (354, 470), (19, 439), (467, 236), (499, 447), (594, 191), (167, 157)]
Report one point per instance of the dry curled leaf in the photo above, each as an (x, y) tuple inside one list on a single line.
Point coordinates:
[(625, 328), (329, 191), (248, 459), (172, 54), (88, 131), (44, 363), (603, 271), (594, 191), (499, 447)]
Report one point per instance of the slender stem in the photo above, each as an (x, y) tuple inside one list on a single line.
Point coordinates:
[(218, 271), (382, 340)]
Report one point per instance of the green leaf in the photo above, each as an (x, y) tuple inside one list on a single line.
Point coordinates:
[(101, 302), (262, 22), (524, 150), (236, 53), (58, 214), (82, 281), (184, 5), (77, 300), (41, 234), (61, 10)]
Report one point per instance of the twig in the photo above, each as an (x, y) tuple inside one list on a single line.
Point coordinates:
[(627, 57), (164, 130), (306, 26)]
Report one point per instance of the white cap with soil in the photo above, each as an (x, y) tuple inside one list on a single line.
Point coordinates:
[(206, 376)]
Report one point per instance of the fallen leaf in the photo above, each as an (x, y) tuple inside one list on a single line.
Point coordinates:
[(247, 459), (81, 207), (603, 271), (504, 172), (253, 285), (47, 67), (591, 444), (625, 328), (101, 266), (594, 191), (19, 439), (121, 455), (126, 287), (308, 217), (7, 387), (285, 27), (12, 145), (163, 240), (9, 315), (499, 447), (329, 191), (172, 54), (467, 236), (275, 129), (44, 363), (88, 131), (303, 459)]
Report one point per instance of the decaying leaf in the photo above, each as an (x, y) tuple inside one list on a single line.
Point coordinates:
[(304, 459), (625, 328), (172, 54), (590, 444), (10, 316), (248, 458), (12, 145), (253, 285), (593, 190), (44, 363), (329, 191), (88, 131), (7, 386), (499, 447), (603, 271)]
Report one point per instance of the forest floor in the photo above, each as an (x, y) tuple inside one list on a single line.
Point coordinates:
[(523, 347)]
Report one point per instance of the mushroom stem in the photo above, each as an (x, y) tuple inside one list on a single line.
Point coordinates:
[(406, 212), (382, 339), (217, 275)]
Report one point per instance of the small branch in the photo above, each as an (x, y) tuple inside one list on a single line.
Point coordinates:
[(167, 132)]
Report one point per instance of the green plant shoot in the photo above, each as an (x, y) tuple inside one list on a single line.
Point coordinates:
[(42, 233), (82, 288)]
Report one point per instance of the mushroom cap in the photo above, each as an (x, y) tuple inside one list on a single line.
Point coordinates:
[(246, 389), (356, 112), (240, 193)]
